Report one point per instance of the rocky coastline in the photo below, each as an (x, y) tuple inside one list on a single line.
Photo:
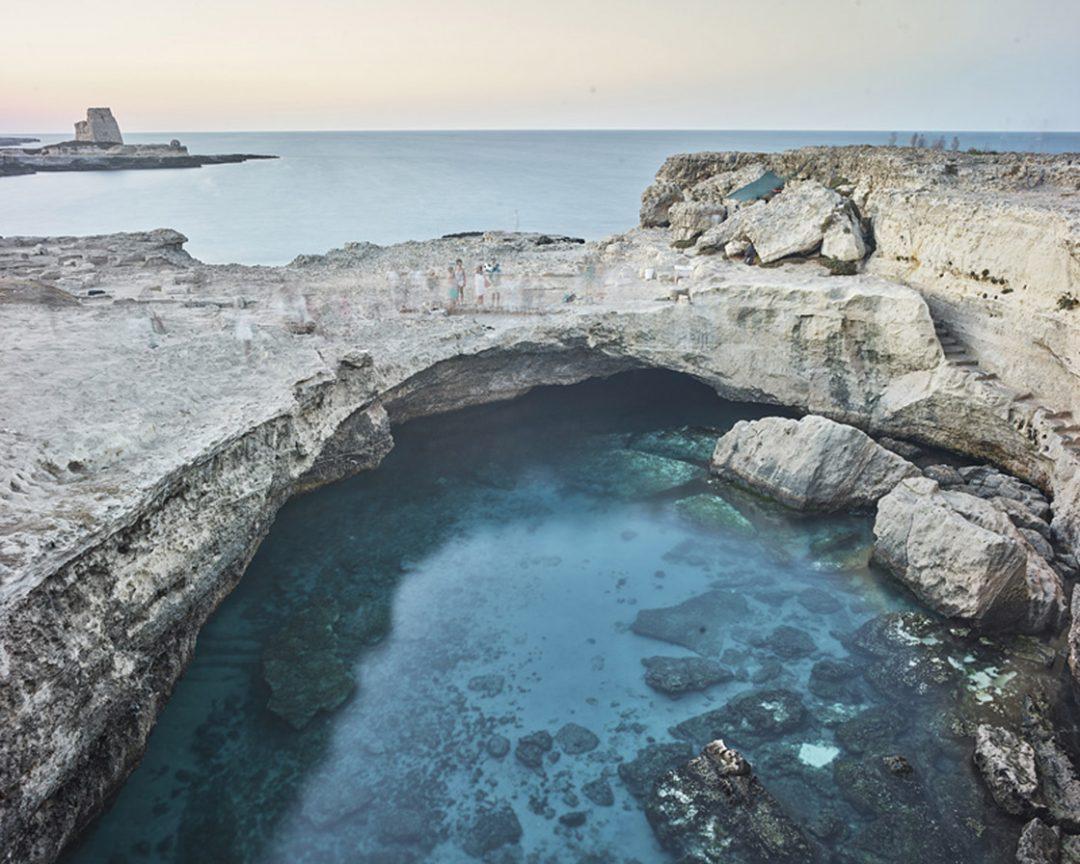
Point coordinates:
[(907, 296), (99, 146)]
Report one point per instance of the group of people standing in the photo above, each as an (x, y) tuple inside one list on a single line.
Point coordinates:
[(486, 279)]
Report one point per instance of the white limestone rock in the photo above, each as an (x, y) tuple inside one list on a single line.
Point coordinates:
[(656, 201), (736, 248), (809, 464), (794, 221), (843, 239), (99, 126), (690, 219), (963, 557)]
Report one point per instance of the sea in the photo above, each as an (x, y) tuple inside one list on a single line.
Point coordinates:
[(329, 188)]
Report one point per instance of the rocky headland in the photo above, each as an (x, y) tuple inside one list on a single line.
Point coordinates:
[(157, 411), (99, 146)]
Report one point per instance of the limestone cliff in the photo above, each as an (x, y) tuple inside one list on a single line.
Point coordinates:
[(157, 411)]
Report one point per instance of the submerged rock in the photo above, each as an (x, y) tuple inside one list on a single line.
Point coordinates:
[(642, 772), (818, 601), (712, 512), (302, 666), (599, 792), (628, 474), (761, 713), (492, 829), (910, 654), (532, 748), (964, 558), (574, 739), (487, 685), (689, 443), (834, 681), (789, 643), (900, 810), (713, 810), (871, 731), (809, 464), (678, 675), (700, 623), (498, 746)]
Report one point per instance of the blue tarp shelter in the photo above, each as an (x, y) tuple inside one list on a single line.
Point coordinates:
[(764, 185)]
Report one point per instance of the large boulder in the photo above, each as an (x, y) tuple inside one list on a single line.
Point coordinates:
[(713, 810), (843, 239), (690, 219), (809, 464), (963, 557), (805, 217)]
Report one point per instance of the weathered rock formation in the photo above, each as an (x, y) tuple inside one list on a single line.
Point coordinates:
[(1030, 775), (713, 809), (127, 515), (99, 126), (809, 464), (964, 557)]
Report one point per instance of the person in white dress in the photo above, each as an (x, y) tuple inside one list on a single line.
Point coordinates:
[(480, 284)]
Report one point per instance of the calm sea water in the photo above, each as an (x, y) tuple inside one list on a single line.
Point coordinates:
[(329, 188), (364, 694)]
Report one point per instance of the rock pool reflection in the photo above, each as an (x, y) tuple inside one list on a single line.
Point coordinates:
[(491, 647)]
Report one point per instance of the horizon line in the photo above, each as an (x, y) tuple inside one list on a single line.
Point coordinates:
[(555, 129)]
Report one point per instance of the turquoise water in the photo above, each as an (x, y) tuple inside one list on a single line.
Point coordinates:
[(363, 695), (330, 188)]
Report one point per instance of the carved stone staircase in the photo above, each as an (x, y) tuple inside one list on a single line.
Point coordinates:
[(957, 354)]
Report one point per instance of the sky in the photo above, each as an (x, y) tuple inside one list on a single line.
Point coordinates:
[(217, 65)]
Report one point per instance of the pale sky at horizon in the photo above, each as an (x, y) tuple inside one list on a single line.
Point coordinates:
[(416, 64)]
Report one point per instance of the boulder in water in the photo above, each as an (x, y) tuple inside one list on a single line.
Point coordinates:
[(531, 749), (809, 464), (761, 713), (492, 829), (678, 675), (700, 623), (574, 739), (964, 558), (713, 810), (303, 669)]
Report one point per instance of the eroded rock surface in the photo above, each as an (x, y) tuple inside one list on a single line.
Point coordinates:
[(714, 809), (675, 676), (809, 464), (964, 557), (121, 501)]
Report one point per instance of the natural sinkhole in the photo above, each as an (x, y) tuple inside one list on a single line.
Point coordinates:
[(492, 646)]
